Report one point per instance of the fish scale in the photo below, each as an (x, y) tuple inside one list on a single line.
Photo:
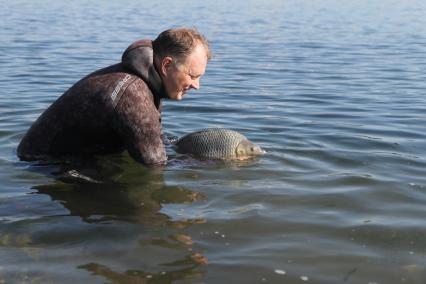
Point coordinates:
[(210, 143)]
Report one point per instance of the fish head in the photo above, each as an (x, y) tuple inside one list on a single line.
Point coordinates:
[(247, 149)]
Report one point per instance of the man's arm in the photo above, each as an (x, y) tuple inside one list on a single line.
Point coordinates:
[(138, 123)]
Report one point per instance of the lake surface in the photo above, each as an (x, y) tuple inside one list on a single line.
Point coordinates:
[(334, 91)]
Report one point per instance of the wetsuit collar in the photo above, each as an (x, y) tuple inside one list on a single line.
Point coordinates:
[(139, 59)]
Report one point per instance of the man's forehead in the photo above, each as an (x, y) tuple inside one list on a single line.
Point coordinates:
[(197, 60), (197, 68), (199, 52)]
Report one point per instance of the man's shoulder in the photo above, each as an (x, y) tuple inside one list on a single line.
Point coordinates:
[(134, 88)]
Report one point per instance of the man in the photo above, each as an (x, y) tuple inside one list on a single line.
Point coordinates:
[(118, 107)]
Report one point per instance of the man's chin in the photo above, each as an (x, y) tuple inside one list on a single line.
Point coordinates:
[(179, 97), (176, 97)]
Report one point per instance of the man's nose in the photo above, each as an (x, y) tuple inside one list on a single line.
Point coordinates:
[(195, 84)]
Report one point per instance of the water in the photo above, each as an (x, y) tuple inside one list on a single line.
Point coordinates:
[(333, 90)]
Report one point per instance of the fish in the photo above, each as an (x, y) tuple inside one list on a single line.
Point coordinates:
[(217, 143)]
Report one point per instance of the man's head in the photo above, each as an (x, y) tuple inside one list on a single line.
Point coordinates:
[(181, 57)]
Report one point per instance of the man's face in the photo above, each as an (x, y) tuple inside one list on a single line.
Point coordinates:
[(178, 79)]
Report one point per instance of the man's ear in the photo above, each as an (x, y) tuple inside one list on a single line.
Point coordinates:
[(166, 64)]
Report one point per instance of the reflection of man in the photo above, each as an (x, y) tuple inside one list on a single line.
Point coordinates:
[(127, 205), (118, 194), (118, 107)]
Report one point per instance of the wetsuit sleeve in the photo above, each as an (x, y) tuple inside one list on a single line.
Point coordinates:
[(138, 124)]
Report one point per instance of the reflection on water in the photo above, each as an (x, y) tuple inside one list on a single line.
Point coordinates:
[(110, 192), (97, 194), (135, 276)]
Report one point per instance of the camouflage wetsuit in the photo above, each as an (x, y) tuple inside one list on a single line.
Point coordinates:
[(110, 110)]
